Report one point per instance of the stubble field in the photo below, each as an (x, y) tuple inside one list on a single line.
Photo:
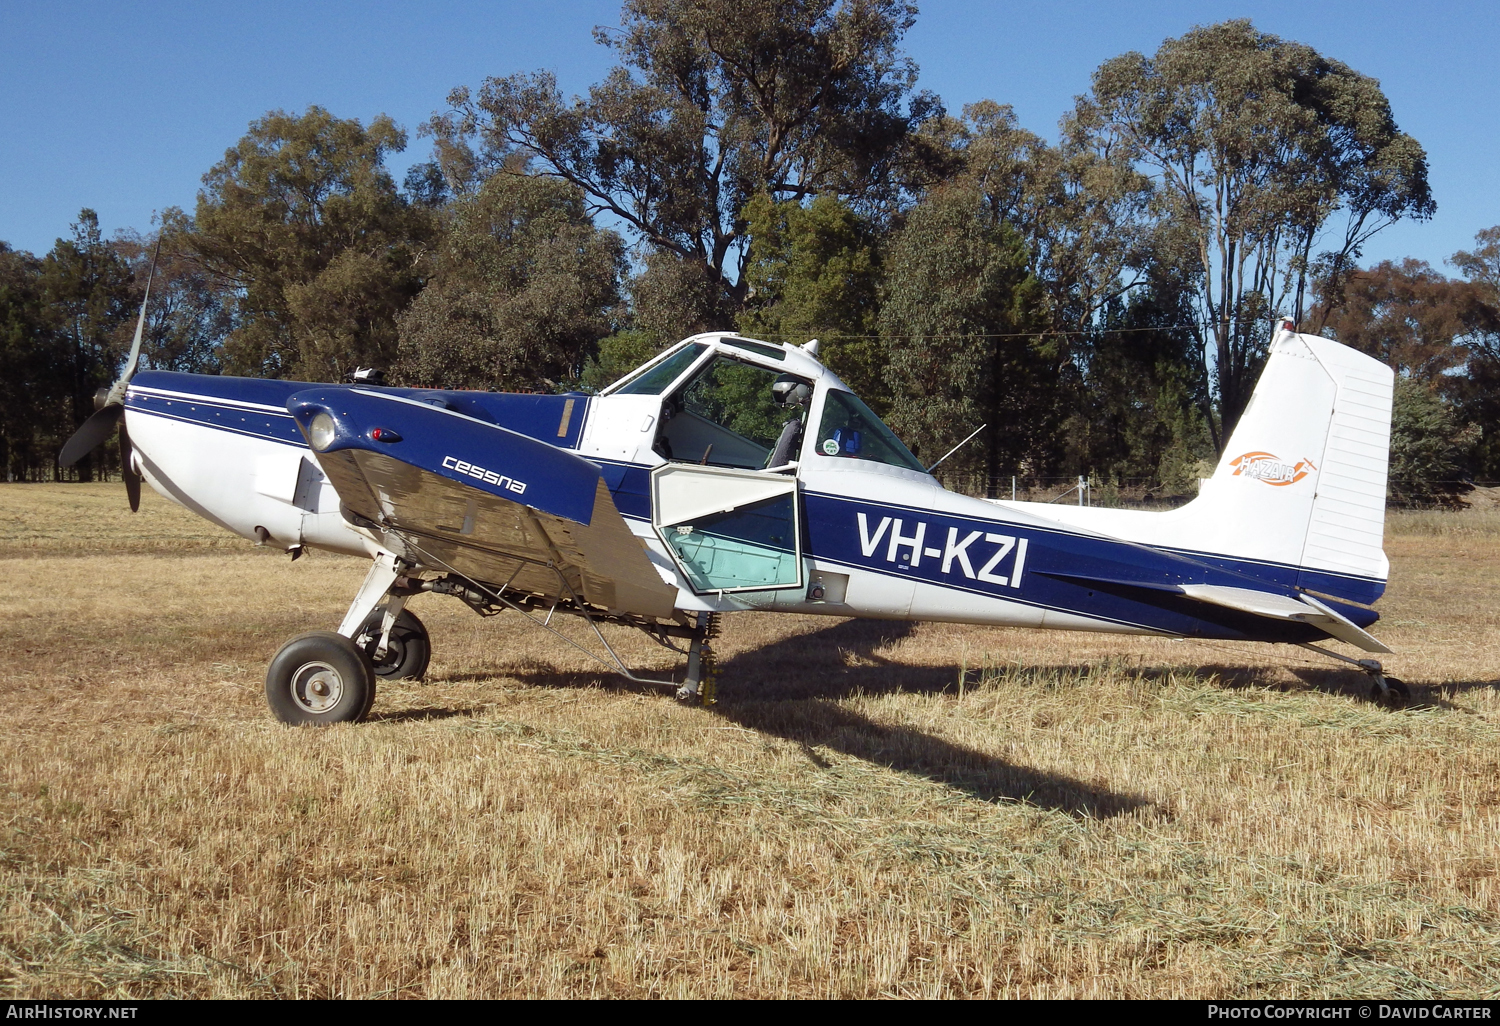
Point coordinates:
[(871, 809)]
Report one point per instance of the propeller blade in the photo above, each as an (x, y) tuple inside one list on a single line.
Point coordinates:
[(140, 324), (90, 434), (127, 471)]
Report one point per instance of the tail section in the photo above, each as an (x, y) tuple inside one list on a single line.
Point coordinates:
[(1302, 480), (1301, 483)]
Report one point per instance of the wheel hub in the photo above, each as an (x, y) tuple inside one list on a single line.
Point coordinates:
[(317, 687)]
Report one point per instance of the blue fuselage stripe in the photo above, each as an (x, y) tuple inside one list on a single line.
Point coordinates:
[(273, 427)]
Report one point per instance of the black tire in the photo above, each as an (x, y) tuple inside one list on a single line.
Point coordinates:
[(1395, 694), (407, 653), (320, 678)]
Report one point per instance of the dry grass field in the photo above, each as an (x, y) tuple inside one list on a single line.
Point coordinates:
[(871, 809)]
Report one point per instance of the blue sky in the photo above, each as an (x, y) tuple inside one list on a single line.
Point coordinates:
[(123, 107)]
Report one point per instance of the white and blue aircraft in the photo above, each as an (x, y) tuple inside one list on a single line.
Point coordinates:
[(733, 474)]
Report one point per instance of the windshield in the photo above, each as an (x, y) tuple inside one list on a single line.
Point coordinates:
[(849, 429), (656, 380)]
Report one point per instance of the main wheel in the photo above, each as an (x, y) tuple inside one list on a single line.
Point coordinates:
[(320, 678), (407, 652)]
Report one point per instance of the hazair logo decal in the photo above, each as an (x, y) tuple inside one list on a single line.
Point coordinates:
[(480, 474), (1264, 466), (960, 550)]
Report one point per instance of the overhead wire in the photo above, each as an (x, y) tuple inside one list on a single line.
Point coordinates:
[(973, 334)]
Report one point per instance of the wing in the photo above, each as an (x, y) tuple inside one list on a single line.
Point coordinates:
[(452, 492)]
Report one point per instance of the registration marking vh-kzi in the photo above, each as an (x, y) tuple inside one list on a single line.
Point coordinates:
[(954, 550)]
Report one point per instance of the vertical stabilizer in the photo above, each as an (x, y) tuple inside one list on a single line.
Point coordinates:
[(1302, 479)]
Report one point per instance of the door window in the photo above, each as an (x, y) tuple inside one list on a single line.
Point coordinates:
[(849, 429), (749, 547), (729, 530)]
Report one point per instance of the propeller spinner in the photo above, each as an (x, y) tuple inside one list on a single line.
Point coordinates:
[(111, 412)]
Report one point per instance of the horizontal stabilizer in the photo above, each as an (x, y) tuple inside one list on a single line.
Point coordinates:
[(1302, 609)]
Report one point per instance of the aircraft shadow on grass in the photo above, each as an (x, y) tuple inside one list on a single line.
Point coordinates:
[(790, 689)]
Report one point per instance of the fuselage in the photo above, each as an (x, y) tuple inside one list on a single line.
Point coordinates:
[(861, 532)]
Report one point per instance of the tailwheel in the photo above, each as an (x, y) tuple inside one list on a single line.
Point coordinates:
[(320, 678), (1390, 692), (407, 651)]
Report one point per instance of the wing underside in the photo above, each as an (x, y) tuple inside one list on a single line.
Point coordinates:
[(445, 524), (545, 525)]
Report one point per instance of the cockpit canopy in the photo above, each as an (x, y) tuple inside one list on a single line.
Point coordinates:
[(735, 402)]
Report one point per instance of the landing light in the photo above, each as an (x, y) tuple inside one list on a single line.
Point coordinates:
[(321, 432)]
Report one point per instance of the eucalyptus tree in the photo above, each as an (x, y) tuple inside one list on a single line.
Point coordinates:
[(815, 271), (1410, 316), (1481, 265), (1085, 211), (963, 323), (190, 314), (521, 287), (1254, 144), (87, 289), (304, 226), (1109, 280), (713, 102), (1477, 391), (1430, 447), (33, 382)]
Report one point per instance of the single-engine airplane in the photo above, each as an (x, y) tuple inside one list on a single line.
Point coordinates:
[(730, 474)]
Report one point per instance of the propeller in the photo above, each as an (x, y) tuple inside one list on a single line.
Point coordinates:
[(93, 432), (127, 471)]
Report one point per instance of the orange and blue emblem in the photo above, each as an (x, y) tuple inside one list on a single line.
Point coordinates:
[(1271, 469)]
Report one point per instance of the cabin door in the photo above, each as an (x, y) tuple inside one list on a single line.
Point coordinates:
[(729, 529)]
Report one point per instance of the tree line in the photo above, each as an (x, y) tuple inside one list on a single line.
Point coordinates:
[(1102, 301)]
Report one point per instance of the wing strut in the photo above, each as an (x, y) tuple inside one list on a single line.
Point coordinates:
[(614, 661)]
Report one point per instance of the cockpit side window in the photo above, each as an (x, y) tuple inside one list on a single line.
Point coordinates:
[(849, 429), (727, 415), (737, 396)]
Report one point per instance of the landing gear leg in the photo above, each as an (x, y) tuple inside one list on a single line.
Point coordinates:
[(1390, 692), (372, 593), (699, 685)]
